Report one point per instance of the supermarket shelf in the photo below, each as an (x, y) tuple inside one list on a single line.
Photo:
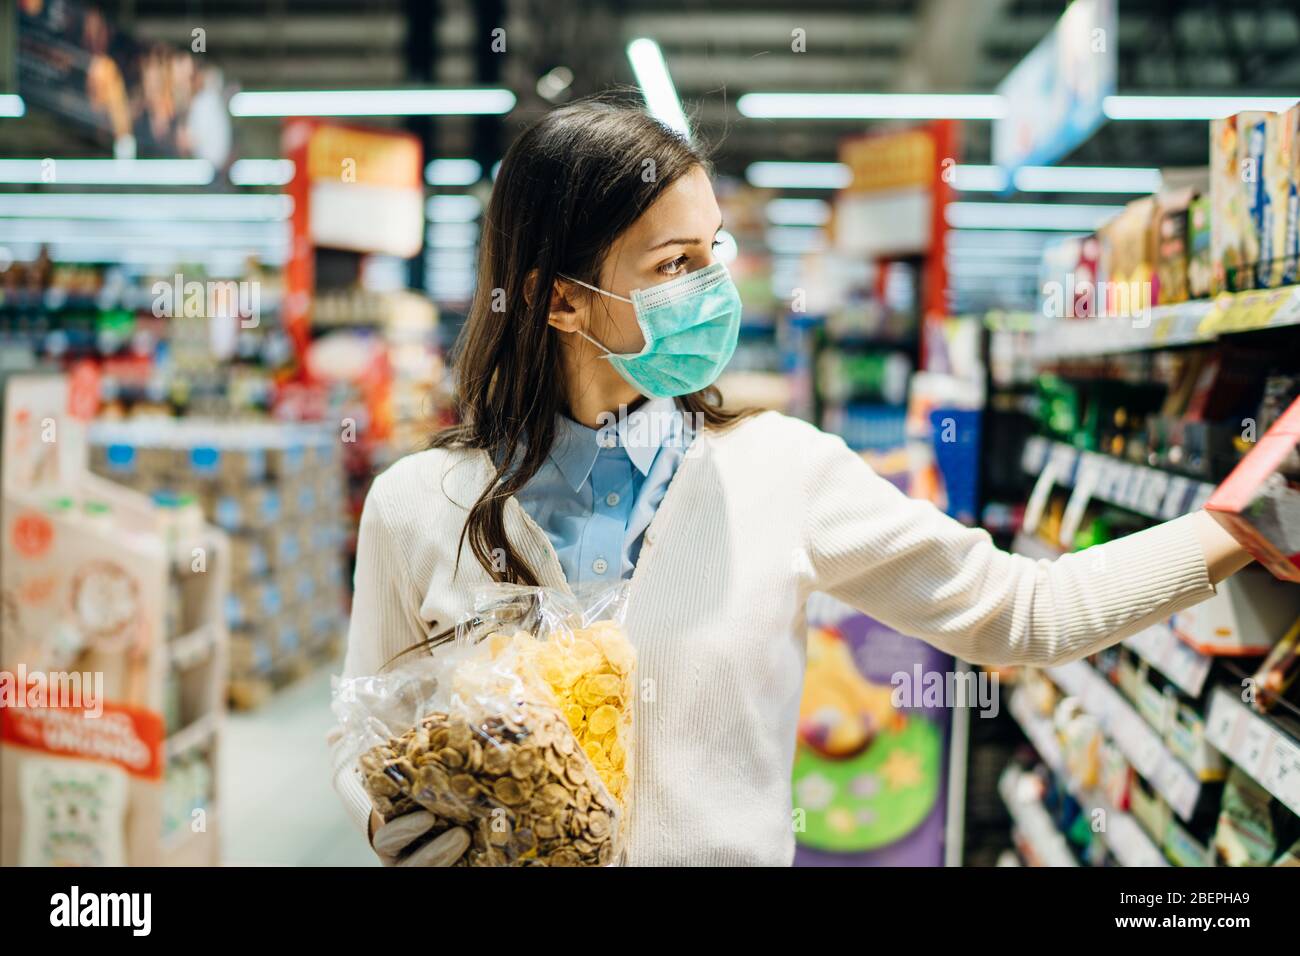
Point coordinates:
[(1151, 492), (189, 649), (1257, 745), (1162, 648), (1128, 842), (1182, 323), (196, 733), (1034, 824), (1141, 745)]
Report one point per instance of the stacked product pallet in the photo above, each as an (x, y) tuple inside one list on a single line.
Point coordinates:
[(278, 491)]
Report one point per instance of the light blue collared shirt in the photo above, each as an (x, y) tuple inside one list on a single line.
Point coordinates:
[(595, 502)]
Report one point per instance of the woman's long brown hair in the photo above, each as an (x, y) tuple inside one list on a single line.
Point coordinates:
[(567, 189)]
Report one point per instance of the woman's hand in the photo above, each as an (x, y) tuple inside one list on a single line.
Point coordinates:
[(392, 841), (1224, 555)]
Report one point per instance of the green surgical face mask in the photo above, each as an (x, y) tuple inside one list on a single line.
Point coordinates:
[(690, 325)]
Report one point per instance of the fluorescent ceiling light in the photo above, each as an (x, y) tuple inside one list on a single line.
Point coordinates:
[(107, 172), (452, 172), (1059, 179), (979, 179), (147, 206), (798, 212), (261, 172), (1003, 238), (656, 85), (143, 232), (978, 254), (794, 240), (1189, 107), (11, 106), (807, 106), (1047, 216), (452, 208), (425, 102), (1087, 179), (452, 235), (798, 175)]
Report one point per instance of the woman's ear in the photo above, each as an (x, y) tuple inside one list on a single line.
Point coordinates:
[(564, 313)]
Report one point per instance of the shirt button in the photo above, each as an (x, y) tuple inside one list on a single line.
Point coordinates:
[(600, 566), (612, 498)]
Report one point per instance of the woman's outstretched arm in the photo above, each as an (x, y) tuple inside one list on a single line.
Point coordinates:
[(908, 564)]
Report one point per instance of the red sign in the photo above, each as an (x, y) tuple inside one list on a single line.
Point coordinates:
[(83, 391), (130, 737)]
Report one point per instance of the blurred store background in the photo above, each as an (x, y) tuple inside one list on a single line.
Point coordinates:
[(1035, 261)]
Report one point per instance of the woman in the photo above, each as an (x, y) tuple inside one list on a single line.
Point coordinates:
[(588, 411)]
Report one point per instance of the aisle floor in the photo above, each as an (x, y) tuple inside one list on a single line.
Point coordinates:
[(278, 808)]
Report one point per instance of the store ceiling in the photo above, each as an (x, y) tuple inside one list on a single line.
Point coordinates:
[(715, 51)]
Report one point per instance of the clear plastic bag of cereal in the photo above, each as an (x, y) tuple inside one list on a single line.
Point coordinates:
[(500, 732), (575, 646)]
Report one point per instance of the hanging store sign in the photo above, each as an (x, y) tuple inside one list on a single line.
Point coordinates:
[(1054, 96)]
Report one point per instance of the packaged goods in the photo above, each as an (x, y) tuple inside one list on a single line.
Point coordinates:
[(1237, 153), (1116, 775), (1185, 737), (1200, 259), (1249, 823), (1291, 156), (518, 729), (1277, 201), (1278, 671), (1259, 506), (1244, 617), (1172, 246), (75, 812), (1131, 265)]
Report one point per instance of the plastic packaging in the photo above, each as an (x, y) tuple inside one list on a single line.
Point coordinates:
[(517, 727)]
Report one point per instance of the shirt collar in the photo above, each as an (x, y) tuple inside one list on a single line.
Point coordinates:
[(640, 434)]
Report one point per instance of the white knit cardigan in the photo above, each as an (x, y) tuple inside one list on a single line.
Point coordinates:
[(756, 518)]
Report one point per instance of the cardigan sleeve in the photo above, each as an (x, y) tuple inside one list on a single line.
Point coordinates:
[(385, 621), (906, 563)]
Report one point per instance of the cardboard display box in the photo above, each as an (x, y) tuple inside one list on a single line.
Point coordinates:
[(1259, 506)]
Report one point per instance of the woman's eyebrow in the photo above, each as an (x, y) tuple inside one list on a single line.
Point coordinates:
[(683, 242)]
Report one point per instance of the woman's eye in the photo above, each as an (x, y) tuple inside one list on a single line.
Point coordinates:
[(672, 268)]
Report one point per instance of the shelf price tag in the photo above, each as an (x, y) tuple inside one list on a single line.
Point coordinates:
[(1032, 459), (1221, 725), (1175, 496), (1253, 751), (1038, 497), (1085, 482), (1282, 777)]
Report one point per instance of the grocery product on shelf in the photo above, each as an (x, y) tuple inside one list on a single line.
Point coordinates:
[(1278, 670), (277, 489), (1259, 502), (1237, 145), (1252, 827)]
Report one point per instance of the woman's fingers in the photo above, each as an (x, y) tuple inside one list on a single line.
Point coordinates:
[(443, 850), (396, 835)]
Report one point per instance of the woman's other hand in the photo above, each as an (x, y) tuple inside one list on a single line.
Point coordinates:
[(398, 842)]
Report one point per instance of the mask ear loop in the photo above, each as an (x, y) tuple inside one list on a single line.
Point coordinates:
[(593, 288)]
